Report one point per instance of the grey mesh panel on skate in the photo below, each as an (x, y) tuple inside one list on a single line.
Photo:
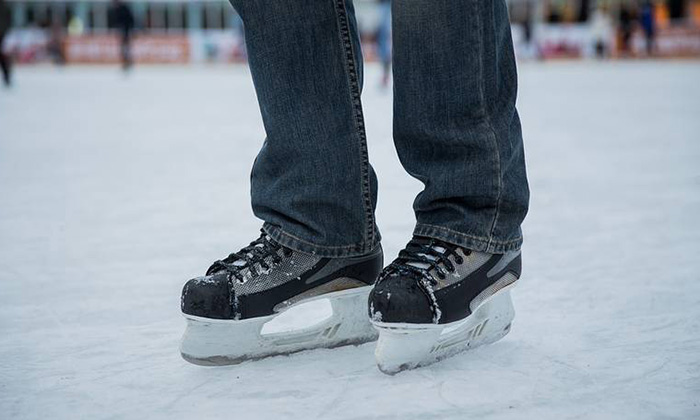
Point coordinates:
[(289, 269), (504, 281), (341, 283), (471, 263)]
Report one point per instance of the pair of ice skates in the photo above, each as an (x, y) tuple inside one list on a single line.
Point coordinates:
[(435, 300)]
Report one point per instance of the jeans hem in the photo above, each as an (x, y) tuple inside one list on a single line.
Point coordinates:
[(472, 242), (297, 244)]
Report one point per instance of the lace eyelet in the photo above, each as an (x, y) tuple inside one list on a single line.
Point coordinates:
[(231, 277), (459, 260)]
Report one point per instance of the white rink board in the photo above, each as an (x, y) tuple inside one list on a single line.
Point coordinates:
[(114, 190)]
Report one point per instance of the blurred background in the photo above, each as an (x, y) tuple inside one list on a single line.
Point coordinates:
[(118, 186), (196, 31)]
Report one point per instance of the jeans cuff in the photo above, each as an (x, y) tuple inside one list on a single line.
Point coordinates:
[(474, 243), (297, 244)]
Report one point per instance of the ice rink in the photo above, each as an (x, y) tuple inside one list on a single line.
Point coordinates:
[(115, 190)]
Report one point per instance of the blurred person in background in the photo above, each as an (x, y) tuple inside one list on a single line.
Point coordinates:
[(239, 50), (5, 23), (56, 35), (384, 40), (602, 29), (76, 26), (530, 48), (122, 19), (626, 26), (455, 128), (648, 24), (676, 9)]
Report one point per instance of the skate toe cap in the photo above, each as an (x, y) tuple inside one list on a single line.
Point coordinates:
[(398, 299), (208, 297)]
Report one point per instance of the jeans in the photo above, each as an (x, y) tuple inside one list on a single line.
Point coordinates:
[(456, 128)]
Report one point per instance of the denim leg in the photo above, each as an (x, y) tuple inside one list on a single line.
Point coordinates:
[(312, 183), (456, 128)]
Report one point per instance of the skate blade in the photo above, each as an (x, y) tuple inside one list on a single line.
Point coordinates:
[(213, 342), (408, 346)]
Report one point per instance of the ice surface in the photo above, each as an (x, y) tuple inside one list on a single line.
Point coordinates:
[(114, 191)]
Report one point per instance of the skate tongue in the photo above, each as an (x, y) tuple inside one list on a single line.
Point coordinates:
[(241, 263), (425, 266)]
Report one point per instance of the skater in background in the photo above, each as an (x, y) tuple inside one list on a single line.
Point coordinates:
[(456, 129), (530, 49), (5, 24), (648, 26), (602, 29), (384, 40), (239, 51), (56, 35), (122, 19), (626, 26), (76, 26)]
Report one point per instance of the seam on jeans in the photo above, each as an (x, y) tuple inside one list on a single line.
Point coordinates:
[(353, 81), (489, 241), (278, 230), (489, 123)]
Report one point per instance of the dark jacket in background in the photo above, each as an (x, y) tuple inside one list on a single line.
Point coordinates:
[(5, 19), (121, 18), (5, 23)]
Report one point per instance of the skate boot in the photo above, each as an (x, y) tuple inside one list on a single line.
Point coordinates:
[(227, 308), (437, 299)]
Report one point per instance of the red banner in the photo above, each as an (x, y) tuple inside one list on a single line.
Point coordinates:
[(144, 49)]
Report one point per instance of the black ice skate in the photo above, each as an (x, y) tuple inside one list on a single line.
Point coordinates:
[(227, 308), (437, 299)]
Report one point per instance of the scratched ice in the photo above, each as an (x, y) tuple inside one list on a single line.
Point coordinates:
[(114, 191)]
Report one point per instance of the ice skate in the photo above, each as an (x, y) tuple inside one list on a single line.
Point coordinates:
[(227, 308), (437, 299)]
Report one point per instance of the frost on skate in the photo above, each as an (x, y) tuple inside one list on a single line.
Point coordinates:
[(228, 308), (438, 299), (407, 346), (225, 342)]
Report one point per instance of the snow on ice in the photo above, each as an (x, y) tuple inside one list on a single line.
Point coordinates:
[(115, 190)]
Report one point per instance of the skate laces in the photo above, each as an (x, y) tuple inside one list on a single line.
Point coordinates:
[(262, 252), (423, 255)]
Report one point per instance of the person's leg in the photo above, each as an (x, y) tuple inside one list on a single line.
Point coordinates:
[(4, 64), (384, 40), (456, 130), (312, 183), (455, 124), (126, 49), (5, 67)]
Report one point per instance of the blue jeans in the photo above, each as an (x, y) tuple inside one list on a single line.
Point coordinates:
[(456, 128)]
